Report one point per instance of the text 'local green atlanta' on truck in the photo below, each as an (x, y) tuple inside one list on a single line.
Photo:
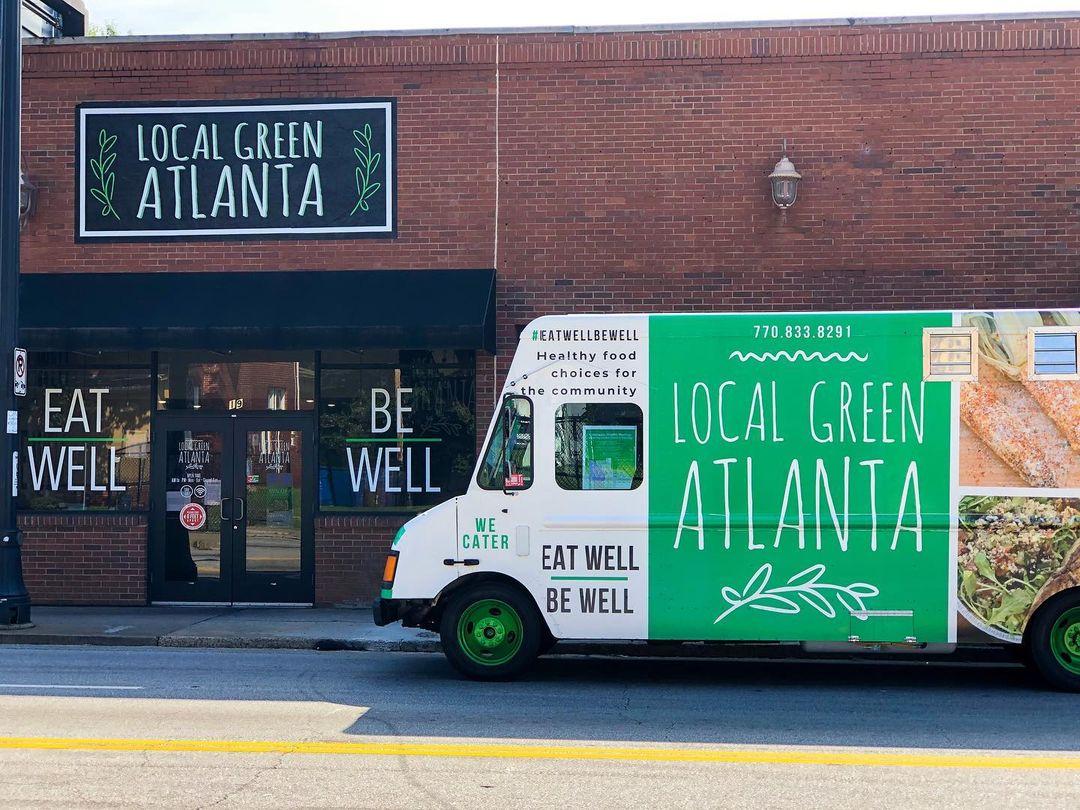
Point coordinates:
[(876, 481)]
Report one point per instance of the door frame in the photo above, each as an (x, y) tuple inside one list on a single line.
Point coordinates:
[(234, 587), (264, 588)]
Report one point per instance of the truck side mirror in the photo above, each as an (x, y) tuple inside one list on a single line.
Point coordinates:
[(516, 443)]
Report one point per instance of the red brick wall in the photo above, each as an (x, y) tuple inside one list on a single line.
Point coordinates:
[(102, 559), (445, 178), (349, 554), (631, 166), (627, 171), (85, 559)]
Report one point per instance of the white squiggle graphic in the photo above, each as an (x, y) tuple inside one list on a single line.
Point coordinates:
[(805, 585), (798, 355)]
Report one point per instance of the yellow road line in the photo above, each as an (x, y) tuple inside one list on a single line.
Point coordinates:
[(744, 756)]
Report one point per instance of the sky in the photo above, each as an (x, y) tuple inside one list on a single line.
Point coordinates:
[(247, 16)]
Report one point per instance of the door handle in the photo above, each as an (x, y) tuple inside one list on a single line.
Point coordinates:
[(223, 515), (241, 515)]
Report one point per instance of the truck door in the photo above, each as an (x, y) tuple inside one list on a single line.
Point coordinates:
[(492, 527)]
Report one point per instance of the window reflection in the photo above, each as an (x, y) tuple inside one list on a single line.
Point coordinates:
[(236, 381), (274, 488)]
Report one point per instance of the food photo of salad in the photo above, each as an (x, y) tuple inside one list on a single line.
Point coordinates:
[(1014, 554)]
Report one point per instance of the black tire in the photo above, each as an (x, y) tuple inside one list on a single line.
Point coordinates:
[(532, 631), (1037, 640)]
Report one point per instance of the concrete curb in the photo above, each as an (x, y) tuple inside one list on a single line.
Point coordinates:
[(295, 643), (225, 642), (18, 637), (633, 649)]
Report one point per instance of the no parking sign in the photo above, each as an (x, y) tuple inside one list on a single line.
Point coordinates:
[(20, 372)]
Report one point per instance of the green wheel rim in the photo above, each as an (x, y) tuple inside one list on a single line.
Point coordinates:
[(489, 632), (1065, 640)]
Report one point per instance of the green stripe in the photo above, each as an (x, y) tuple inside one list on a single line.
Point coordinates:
[(78, 439), (592, 579), (390, 441)]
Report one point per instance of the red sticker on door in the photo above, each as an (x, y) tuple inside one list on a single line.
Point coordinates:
[(515, 480), (192, 516)]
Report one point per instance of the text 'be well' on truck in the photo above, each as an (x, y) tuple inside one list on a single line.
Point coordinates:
[(873, 481)]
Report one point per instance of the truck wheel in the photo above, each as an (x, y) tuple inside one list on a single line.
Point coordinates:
[(490, 632), (1054, 643)]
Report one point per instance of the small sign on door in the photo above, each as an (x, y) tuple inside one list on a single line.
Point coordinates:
[(192, 516), (20, 372)]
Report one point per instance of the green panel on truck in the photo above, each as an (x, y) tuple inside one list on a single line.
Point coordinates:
[(800, 478)]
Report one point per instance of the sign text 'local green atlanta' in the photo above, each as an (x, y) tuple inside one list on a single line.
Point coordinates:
[(235, 169)]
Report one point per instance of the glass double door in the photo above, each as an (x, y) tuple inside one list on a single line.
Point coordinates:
[(231, 514)]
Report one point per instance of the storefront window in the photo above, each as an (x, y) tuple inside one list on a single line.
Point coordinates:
[(85, 432), (236, 381), (397, 430)]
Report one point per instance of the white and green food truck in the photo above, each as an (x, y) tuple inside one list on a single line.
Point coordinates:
[(871, 481)]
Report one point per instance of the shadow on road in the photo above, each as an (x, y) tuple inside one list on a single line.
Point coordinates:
[(912, 704), (747, 702)]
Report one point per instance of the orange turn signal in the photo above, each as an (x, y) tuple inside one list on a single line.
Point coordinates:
[(389, 569)]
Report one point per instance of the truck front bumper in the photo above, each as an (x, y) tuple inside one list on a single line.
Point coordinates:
[(410, 612), (386, 611)]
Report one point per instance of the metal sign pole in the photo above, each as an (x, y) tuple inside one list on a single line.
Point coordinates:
[(14, 598)]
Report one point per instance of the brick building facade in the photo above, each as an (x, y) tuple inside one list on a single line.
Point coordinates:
[(597, 171)]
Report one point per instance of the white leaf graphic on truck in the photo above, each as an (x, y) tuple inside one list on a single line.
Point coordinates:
[(804, 586)]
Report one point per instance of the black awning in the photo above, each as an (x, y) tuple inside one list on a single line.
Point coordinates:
[(402, 309)]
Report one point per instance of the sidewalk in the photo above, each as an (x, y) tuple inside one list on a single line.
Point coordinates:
[(267, 628)]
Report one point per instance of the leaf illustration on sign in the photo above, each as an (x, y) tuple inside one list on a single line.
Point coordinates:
[(369, 162), (101, 166), (805, 586)]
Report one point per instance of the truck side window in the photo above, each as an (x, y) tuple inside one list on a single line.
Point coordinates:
[(513, 469), (598, 446)]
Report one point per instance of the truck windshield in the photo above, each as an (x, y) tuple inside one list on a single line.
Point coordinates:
[(508, 462)]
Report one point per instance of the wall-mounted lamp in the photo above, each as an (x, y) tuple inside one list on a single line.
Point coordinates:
[(27, 199), (785, 182)]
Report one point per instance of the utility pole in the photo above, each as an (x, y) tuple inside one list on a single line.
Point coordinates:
[(14, 598)]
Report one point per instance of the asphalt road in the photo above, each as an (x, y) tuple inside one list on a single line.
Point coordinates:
[(96, 726)]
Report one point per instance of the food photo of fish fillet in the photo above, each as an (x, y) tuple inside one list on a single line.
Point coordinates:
[(1009, 420)]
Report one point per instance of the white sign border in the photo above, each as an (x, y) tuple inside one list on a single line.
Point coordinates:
[(386, 228)]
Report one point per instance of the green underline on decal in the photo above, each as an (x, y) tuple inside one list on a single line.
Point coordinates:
[(591, 579), (79, 439), (391, 441)]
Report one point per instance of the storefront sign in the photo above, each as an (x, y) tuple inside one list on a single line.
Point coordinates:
[(75, 452), (84, 437), (204, 170), (393, 458), (396, 437)]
